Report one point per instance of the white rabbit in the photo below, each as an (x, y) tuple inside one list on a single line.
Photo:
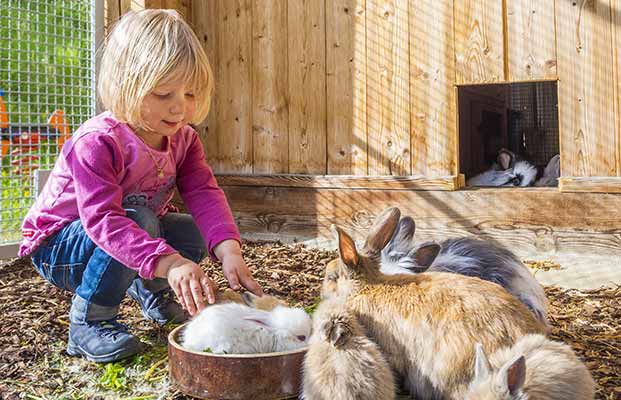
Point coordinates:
[(341, 362), (551, 173), (233, 328), (509, 170), (465, 256), (535, 368)]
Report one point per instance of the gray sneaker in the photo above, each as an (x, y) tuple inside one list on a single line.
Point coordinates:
[(157, 306), (102, 341)]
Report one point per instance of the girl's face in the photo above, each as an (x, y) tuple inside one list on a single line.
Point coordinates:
[(166, 109)]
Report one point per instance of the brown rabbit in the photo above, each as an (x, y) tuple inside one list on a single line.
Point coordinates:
[(265, 302), (341, 362), (427, 324)]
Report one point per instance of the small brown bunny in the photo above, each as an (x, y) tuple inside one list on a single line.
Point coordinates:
[(535, 368), (341, 362), (265, 302), (427, 324)]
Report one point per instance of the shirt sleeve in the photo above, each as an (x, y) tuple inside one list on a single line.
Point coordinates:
[(96, 161), (205, 200)]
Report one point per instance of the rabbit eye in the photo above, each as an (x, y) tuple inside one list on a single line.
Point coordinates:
[(333, 277), (301, 338)]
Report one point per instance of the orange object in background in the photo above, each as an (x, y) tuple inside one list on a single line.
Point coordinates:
[(58, 121), (4, 115), (4, 123)]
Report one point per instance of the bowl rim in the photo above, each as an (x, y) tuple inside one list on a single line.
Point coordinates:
[(173, 342)]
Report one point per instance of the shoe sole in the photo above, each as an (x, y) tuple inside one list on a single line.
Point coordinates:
[(75, 351)]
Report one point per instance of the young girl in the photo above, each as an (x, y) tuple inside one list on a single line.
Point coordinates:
[(103, 225)]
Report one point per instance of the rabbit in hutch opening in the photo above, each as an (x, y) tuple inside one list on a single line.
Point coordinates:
[(508, 170)]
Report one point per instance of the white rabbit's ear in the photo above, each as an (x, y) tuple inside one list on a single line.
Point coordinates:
[(382, 230), (347, 248), (482, 367), (512, 375), (258, 320), (505, 159)]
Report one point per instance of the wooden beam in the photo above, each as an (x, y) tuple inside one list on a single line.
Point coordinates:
[(526, 220), (585, 89), (590, 184), (270, 114), (346, 86), (479, 41), (433, 101), (531, 49), (343, 181)]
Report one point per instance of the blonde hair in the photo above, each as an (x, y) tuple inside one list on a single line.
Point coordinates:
[(146, 49)]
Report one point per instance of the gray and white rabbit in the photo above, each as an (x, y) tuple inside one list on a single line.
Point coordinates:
[(341, 362), (233, 328), (508, 170), (535, 368), (551, 173), (466, 256)]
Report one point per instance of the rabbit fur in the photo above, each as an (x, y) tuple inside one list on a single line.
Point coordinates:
[(466, 256), (426, 324), (551, 173), (508, 170), (232, 328), (341, 362), (535, 368)]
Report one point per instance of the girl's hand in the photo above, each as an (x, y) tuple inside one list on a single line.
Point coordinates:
[(190, 284), (234, 267)]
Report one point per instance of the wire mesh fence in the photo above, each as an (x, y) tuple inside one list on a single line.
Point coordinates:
[(47, 86)]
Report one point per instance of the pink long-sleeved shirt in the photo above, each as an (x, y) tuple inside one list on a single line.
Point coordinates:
[(104, 167)]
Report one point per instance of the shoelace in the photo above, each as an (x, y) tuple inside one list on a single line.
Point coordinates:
[(110, 328)]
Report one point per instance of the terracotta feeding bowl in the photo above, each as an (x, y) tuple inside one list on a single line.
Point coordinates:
[(234, 376)]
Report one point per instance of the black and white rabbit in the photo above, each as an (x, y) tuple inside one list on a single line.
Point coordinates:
[(508, 170), (466, 256)]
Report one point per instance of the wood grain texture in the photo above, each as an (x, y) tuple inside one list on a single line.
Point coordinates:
[(585, 69), (616, 47), (590, 184), (531, 38), (479, 47), (204, 19), (388, 98), (270, 124), (433, 107), (307, 86), (343, 182), (346, 87), (234, 87), (525, 220)]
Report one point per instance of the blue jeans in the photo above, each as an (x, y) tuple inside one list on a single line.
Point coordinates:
[(71, 260)]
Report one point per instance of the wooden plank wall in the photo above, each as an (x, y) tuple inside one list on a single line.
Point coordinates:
[(368, 87)]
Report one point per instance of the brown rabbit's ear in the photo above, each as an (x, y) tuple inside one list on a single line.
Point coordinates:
[(513, 374), (249, 298), (335, 331), (382, 230), (426, 254), (347, 247)]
